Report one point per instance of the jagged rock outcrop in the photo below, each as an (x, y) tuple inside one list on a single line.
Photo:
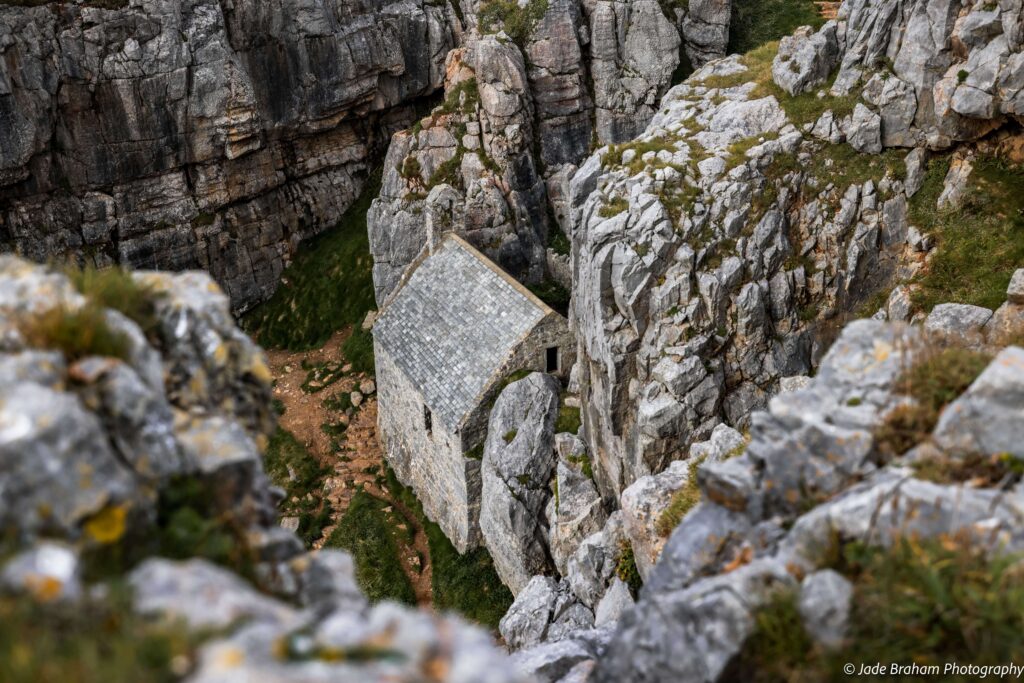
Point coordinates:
[(812, 476), (518, 463), (201, 134), (576, 510), (149, 435)]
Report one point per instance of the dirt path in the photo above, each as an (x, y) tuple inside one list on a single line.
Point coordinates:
[(355, 457)]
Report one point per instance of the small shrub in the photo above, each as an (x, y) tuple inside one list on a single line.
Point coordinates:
[(518, 23), (553, 294), (625, 568)]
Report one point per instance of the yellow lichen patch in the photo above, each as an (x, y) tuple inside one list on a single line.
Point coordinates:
[(229, 658), (260, 371), (44, 588), (108, 525), (882, 351), (220, 354)]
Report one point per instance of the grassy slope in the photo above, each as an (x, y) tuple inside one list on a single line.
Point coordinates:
[(978, 246), (290, 466), (367, 530), (329, 285), (466, 584)]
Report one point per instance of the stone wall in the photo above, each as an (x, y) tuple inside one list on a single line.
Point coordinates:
[(433, 464)]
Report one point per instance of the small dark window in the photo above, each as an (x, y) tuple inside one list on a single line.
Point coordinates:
[(552, 359), (428, 420)]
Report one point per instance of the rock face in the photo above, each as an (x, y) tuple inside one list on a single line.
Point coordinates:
[(92, 445), (808, 475), (201, 134), (518, 462)]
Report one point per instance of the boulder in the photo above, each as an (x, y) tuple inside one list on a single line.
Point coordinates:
[(518, 464), (806, 59), (824, 604)]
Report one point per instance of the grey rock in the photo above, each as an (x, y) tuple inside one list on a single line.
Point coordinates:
[(517, 466), (805, 59), (527, 620), (1015, 292), (957, 321), (864, 131), (790, 384), (47, 571), (617, 599), (643, 503), (824, 605), (575, 513), (987, 418), (549, 662), (916, 163)]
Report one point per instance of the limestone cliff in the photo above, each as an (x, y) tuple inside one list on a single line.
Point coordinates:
[(201, 134)]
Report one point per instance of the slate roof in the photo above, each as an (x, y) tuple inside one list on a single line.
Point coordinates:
[(453, 324)]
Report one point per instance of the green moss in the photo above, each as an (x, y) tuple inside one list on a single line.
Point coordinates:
[(94, 641), (292, 467), (510, 436), (467, 584), (367, 530), (569, 419), (558, 242), (978, 246), (328, 286)]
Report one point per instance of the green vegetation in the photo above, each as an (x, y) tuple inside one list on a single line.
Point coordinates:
[(510, 436), (518, 23), (613, 207), (466, 584), (553, 294), (115, 288), (189, 523), (756, 22), (625, 568), (687, 497), (979, 245), (76, 333), (327, 286), (293, 468), (569, 419), (358, 350), (930, 602), (936, 378), (96, 641), (367, 530), (557, 240)]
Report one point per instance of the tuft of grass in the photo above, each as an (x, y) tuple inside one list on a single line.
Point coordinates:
[(328, 285), (77, 333), (978, 246), (292, 467), (115, 288), (687, 497), (569, 419), (625, 568), (95, 641), (467, 584), (928, 602), (368, 531), (936, 378), (613, 207), (756, 22)]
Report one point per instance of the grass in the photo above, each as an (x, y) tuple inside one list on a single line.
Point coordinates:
[(979, 245), (77, 333), (328, 285), (687, 497), (467, 584), (115, 288), (96, 641), (927, 602), (368, 531), (569, 419), (292, 467), (936, 378), (613, 207), (358, 350), (756, 22)]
